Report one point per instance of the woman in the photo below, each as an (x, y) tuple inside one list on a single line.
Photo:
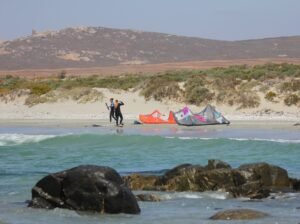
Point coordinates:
[(118, 112)]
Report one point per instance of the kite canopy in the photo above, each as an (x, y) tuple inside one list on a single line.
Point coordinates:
[(208, 116), (156, 117)]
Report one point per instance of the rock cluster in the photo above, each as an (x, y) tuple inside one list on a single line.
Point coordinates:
[(101, 189), (255, 180)]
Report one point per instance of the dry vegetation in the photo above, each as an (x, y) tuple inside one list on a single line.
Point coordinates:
[(236, 85)]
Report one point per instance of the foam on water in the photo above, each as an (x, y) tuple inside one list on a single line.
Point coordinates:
[(293, 141), (18, 139), (195, 195)]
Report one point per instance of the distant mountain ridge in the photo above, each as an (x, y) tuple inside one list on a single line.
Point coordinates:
[(97, 46)]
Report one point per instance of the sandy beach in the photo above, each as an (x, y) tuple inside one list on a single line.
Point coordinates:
[(135, 105)]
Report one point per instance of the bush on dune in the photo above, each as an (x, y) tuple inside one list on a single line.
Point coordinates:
[(199, 95), (38, 89), (270, 96), (196, 91), (292, 99), (290, 86), (160, 89), (80, 95)]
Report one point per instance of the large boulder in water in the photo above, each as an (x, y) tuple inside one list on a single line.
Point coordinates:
[(85, 188)]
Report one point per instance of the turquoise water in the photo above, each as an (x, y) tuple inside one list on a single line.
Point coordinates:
[(27, 154)]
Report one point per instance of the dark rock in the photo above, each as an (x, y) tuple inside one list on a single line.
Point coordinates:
[(295, 184), (273, 177), (238, 214), (182, 178), (147, 197), (178, 170), (85, 188), (252, 190), (217, 164), (214, 179)]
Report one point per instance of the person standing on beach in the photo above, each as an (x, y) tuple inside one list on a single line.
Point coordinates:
[(111, 109), (118, 112)]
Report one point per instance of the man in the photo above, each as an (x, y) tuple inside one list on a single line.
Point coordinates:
[(111, 108), (118, 112)]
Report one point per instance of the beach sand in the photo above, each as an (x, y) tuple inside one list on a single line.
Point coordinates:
[(135, 104)]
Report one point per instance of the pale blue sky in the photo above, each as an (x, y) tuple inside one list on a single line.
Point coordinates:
[(215, 19)]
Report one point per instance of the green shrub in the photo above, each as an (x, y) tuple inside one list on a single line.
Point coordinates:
[(34, 100), (160, 89), (4, 92), (195, 81), (270, 96), (110, 82), (291, 99), (198, 95), (225, 83), (39, 89)]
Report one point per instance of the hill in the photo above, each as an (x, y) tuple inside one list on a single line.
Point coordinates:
[(98, 47)]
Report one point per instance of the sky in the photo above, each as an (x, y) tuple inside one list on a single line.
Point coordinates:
[(213, 19)]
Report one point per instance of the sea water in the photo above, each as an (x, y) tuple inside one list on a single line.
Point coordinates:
[(29, 153)]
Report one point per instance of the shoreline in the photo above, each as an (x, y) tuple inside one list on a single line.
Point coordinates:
[(104, 123)]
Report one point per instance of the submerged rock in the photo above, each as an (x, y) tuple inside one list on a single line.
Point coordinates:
[(85, 188), (255, 181), (148, 197), (238, 214)]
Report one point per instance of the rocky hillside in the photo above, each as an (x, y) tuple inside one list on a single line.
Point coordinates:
[(97, 46)]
